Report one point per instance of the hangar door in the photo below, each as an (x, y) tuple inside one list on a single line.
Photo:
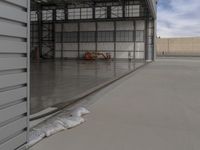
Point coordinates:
[(14, 73)]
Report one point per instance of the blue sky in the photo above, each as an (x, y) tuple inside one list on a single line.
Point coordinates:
[(178, 18)]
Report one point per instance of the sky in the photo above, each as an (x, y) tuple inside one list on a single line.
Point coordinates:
[(178, 18)]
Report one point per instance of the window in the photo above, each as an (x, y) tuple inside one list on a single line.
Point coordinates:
[(70, 37), (34, 16), (86, 13), (60, 14), (74, 13), (116, 11), (47, 15), (87, 36), (124, 36), (139, 36), (132, 10), (101, 12), (105, 36)]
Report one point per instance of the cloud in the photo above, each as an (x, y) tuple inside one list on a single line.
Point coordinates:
[(178, 18)]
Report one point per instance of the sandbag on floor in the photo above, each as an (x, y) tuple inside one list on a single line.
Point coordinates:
[(78, 112), (70, 122), (62, 121), (50, 128), (34, 137)]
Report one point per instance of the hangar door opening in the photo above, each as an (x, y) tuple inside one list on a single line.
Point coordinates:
[(14, 73), (75, 48), (79, 46)]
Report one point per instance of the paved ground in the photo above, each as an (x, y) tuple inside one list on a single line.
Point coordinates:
[(56, 83), (157, 108)]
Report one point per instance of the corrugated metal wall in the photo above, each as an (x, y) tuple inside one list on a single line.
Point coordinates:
[(14, 73), (119, 38)]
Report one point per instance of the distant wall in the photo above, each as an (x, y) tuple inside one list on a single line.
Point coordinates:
[(120, 39), (178, 46)]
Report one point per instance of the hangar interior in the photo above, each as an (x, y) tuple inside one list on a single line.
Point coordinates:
[(77, 46)]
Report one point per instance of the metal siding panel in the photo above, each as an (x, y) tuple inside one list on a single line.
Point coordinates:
[(139, 46), (12, 80), (70, 27), (88, 26), (11, 13), (22, 3), (124, 46), (70, 54), (105, 46), (58, 47), (87, 46), (122, 55), (140, 25), (13, 111), (124, 25), (13, 63), (139, 55), (57, 54), (12, 128), (70, 46), (14, 77), (58, 28), (12, 95), (14, 143), (14, 30), (12, 47), (105, 26)]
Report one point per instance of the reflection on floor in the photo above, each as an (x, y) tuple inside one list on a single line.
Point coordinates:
[(57, 82)]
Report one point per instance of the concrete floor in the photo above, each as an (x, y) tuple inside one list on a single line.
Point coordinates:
[(156, 108), (56, 83)]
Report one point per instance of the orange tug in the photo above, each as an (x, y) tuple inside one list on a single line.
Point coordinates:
[(94, 55)]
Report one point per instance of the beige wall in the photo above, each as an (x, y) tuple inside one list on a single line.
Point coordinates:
[(178, 46)]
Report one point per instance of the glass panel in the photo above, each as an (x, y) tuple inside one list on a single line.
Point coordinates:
[(132, 10), (60, 14), (74, 14), (116, 11), (47, 15), (101, 12), (86, 13)]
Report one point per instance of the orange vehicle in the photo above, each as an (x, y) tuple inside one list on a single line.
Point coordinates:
[(95, 55)]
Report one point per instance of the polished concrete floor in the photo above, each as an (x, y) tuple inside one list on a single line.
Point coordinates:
[(156, 108), (57, 83)]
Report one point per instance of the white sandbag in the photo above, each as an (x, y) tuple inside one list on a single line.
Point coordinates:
[(71, 122), (50, 128), (80, 112), (34, 137)]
